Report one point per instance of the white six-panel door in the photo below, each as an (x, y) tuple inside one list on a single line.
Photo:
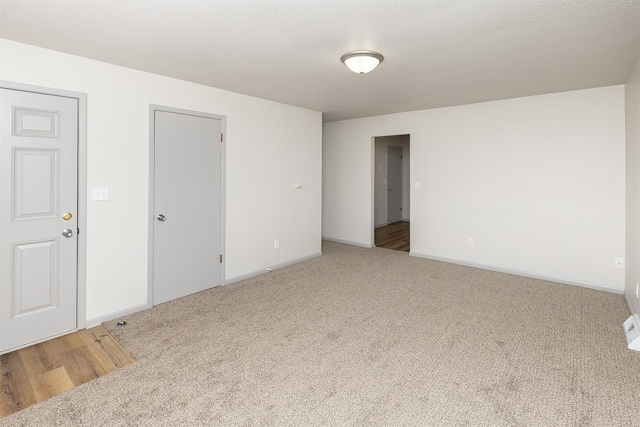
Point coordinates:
[(38, 217)]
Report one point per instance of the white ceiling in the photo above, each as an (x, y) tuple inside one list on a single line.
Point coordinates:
[(437, 53)]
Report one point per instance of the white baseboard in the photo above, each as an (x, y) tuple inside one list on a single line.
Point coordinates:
[(520, 273), (637, 315), (348, 242), (90, 323), (111, 316), (272, 267)]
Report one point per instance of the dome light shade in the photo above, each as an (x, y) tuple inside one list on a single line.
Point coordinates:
[(362, 61)]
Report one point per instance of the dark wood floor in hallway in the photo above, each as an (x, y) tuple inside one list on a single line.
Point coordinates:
[(394, 236)]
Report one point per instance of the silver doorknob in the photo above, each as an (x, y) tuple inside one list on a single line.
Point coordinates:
[(161, 218), (67, 232)]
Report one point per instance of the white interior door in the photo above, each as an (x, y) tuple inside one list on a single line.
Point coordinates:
[(38, 217), (187, 243), (394, 185)]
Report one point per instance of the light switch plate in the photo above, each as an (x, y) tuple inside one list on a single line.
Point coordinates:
[(100, 193)]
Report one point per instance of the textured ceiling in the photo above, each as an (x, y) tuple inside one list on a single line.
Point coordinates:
[(437, 53)]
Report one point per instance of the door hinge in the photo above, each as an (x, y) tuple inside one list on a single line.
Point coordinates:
[(78, 231), (401, 209), (221, 137), (220, 259)]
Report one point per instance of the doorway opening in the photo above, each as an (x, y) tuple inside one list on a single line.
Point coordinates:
[(391, 210)]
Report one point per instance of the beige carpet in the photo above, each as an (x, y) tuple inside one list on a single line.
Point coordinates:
[(368, 337)]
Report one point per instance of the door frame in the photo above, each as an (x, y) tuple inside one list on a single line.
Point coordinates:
[(389, 148), (223, 161), (81, 273), (372, 178)]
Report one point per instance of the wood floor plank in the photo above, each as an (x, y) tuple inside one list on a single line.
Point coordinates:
[(111, 357), (63, 344), (6, 398), (37, 360), (51, 383), (87, 335), (14, 386), (5, 410), (81, 366), (99, 354), (394, 236), (108, 347), (118, 355), (33, 374)]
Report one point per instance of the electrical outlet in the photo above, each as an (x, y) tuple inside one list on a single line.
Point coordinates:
[(619, 262), (276, 244), (470, 242)]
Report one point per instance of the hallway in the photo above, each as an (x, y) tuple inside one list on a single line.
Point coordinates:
[(393, 236)]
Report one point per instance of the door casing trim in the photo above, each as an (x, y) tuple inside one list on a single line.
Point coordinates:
[(150, 217), (81, 274)]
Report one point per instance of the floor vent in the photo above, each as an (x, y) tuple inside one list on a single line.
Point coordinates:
[(631, 331)]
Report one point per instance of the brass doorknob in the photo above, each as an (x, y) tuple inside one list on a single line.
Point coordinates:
[(67, 216)]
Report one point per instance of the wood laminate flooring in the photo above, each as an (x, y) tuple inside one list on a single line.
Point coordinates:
[(36, 373), (393, 236)]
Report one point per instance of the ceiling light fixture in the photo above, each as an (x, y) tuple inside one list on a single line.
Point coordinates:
[(362, 61)]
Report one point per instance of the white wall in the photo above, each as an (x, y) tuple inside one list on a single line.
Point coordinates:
[(632, 111), (269, 148), (380, 177), (537, 182)]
